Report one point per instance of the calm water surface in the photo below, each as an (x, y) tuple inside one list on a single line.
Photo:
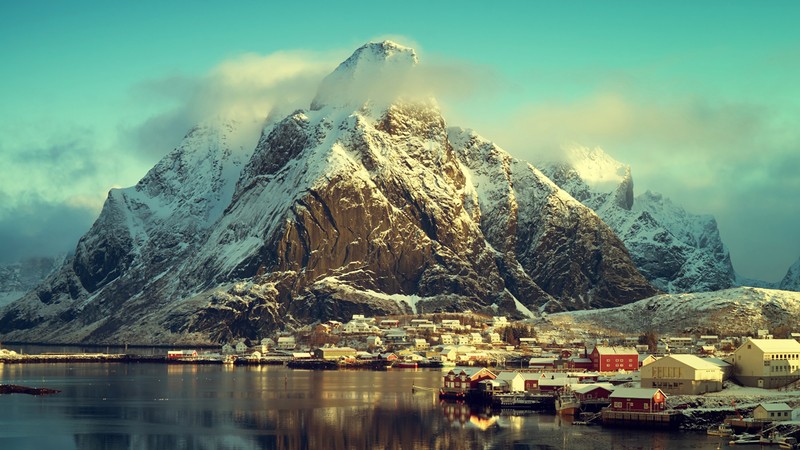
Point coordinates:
[(159, 406)]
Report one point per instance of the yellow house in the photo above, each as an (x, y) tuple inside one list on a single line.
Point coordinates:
[(767, 363), (682, 374)]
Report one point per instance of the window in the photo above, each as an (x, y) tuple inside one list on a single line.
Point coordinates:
[(617, 404)]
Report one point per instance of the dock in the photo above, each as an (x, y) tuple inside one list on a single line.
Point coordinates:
[(666, 419)]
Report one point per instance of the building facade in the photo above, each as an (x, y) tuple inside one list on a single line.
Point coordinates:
[(638, 400), (767, 363), (614, 359), (682, 374)]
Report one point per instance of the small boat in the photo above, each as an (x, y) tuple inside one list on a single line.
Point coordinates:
[(404, 364), (745, 439), (778, 439), (415, 388), (722, 430), (567, 404)]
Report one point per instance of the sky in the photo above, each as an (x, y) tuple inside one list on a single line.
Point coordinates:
[(701, 99)]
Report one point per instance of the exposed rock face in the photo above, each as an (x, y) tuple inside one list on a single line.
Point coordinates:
[(565, 249), (675, 250), (349, 207)]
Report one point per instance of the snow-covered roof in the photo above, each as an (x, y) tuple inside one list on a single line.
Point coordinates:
[(774, 407), (775, 345), (643, 393), (692, 361), (541, 361), (603, 350), (585, 388), (503, 376), (720, 362)]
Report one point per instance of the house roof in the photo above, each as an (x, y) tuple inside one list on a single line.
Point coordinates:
[(471, 371), (643, 393), (772, 407), (580, 360), (502, 376), (775, 345), (719, 362), (692, 361), (542, 361), (585, 388), (603, 350)]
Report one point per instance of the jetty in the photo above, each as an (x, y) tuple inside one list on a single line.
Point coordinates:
[(665, 419)]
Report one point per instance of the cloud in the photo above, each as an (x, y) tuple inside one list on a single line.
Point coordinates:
[(736, 161), (53, 169), (38, 227), (246, 88)]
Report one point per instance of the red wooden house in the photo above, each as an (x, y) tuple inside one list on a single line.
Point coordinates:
[(614, 359), (638, 400), (461, 381), (593, 392)]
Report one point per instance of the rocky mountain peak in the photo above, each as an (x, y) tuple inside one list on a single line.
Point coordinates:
[(375, 72), (675, 250), (367, 203)]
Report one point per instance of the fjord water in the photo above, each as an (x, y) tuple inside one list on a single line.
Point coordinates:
[(161, 406)]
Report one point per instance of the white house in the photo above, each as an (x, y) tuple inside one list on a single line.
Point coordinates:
[(511, 381), (241, 347), (374, 341), (463, 340), (476, 338), (494, 338), (286, 343), (421, 344), (451, 324), (767, 363), (446, 339), (499, 321)]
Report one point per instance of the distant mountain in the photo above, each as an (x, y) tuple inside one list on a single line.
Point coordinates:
[(791, 281), (20, 277), (730, 312), (675, 250), (364, 203)]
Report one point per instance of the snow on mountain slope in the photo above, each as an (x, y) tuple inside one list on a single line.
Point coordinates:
[(737, 311), (20, 277), (363, 204), (791, 282), (675, 250), (523, 217)]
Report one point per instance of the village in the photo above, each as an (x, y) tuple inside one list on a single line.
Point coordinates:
[(691, 381), (641, 380)]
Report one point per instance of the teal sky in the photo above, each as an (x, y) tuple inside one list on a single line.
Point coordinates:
[(701, 100)]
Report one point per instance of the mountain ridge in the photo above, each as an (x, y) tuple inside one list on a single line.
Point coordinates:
[(332, 204)]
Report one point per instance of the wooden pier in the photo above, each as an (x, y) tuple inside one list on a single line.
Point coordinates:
[(666, 419)]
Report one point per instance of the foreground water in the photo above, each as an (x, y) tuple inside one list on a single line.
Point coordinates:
[(160, 406)]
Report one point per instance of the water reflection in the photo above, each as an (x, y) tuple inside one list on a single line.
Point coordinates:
[(152, 406)]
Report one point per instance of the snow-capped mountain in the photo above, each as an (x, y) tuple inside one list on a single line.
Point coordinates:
[(20, 277), (364, 203), (791, 282), (730, 312), (675, 250)]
